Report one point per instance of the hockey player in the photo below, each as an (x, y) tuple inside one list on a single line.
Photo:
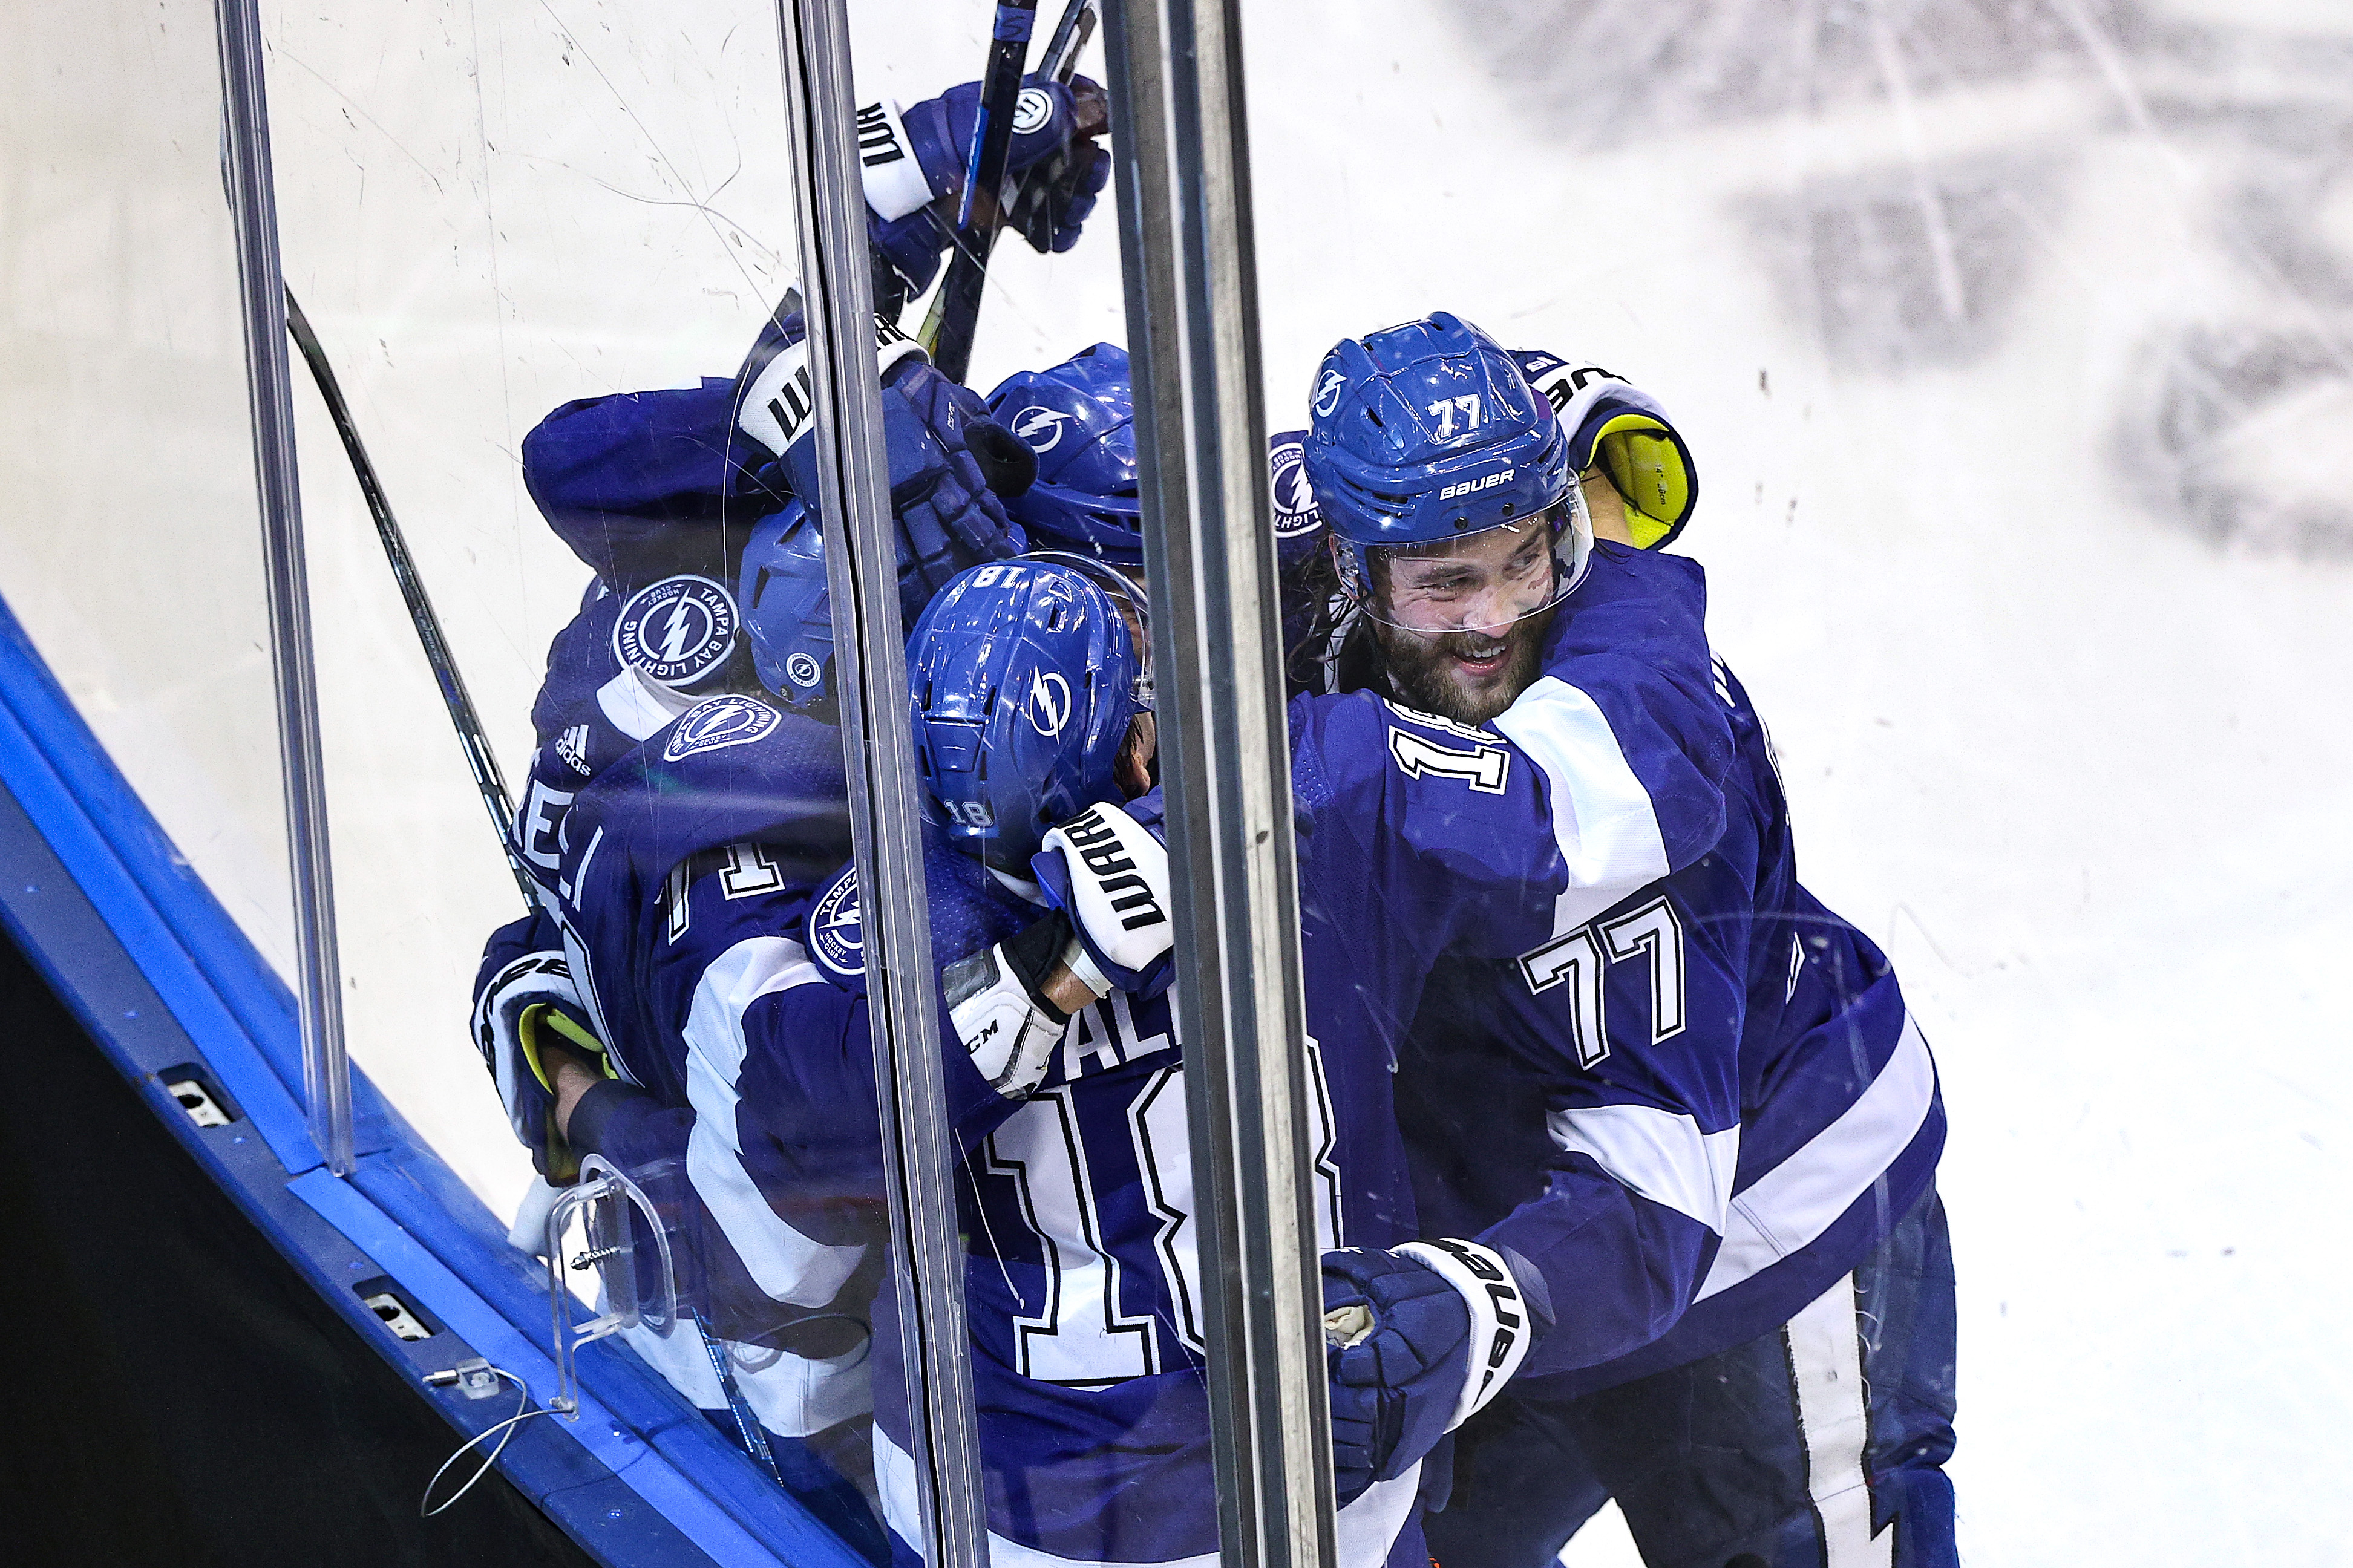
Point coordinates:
[(1718, 1146), (1387, 1211), (1094, 1424)]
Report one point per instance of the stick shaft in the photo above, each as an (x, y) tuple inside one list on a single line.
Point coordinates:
[(480, 759)]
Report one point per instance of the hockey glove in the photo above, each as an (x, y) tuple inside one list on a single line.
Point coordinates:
[(1112, 876), (948, 517), (1418, 1340), (1621, 431), (524, 994), (999, 1007), (1053, 158)]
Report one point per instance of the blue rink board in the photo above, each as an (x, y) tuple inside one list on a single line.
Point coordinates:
[(133, 941)]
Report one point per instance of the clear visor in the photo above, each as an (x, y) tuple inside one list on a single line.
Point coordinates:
[(1485, 581)]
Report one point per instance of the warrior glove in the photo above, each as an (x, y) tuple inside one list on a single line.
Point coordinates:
[(949, 517), (914, 161), (1418, 1340), (1111, 875)]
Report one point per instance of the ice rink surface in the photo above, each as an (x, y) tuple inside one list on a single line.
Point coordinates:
[(2015, 345)]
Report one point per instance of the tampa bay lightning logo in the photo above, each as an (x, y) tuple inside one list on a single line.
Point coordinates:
[(1327, 391), (677, 631), (722, 722), (1295, 511), (803, 670), (1040, 429), (1049, 703), (835, 934)]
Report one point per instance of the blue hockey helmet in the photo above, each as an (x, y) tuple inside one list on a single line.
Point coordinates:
[(787, 609), (1428, 432), (1024, 678), (1078, 419)]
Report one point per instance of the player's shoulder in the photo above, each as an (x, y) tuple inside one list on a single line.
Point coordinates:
[(970, 907)]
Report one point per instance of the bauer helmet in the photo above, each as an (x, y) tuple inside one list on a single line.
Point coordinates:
[(1428, 432), (1078, 420), (1024, 678)]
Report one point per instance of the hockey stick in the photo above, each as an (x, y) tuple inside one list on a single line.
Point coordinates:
[(1024, 204), (478, 756), (956, 311)]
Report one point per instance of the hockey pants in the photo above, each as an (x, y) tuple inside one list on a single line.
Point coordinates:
[(1820, 1444)]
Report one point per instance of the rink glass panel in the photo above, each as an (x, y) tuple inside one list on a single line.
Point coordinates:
[(488, 214), (132, 548), (2012, 346)]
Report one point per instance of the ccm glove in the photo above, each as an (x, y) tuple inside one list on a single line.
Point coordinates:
[(1111, 875), (999, 1007), (525, 995), (1418, 1340)]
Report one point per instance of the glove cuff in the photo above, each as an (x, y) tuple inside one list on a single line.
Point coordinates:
[(1116, 869), (773, 408), (895, 183), (1500, 1324)]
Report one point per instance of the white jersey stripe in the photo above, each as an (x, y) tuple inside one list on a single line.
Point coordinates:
[(636, 706), (783, 1262), (1601, 815), (1825, 1352), (794, 1395), (1662, 1154), (1786, 1208)]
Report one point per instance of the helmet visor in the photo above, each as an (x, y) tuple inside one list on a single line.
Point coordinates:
[(1483, 582)]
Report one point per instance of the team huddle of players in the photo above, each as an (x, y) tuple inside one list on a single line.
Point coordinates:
[(1625, 1143)]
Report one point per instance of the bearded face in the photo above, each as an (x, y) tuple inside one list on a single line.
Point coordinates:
[(1468, 676), (1461, 626)]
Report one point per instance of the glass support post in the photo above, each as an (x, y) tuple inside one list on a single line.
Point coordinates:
[(1190, 265), (886, 816), (253, 209)]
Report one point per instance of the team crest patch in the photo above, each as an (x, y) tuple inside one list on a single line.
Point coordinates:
[(1295, 511), (677, 631), (835, 934), (722, 722)]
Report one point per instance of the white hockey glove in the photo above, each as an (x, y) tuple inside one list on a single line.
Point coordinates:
[(999, 1007), (1421, 1339), (524, 996), (1112, 875)]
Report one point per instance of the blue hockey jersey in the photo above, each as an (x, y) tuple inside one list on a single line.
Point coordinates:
[(1734, 1058)]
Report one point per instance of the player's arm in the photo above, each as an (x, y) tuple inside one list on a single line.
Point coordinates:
[(1631, 1024)]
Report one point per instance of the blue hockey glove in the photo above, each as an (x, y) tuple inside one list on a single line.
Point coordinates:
[(1418, 1340), (1111, 875), (949, 518), (523, 994), (1054, 130)]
